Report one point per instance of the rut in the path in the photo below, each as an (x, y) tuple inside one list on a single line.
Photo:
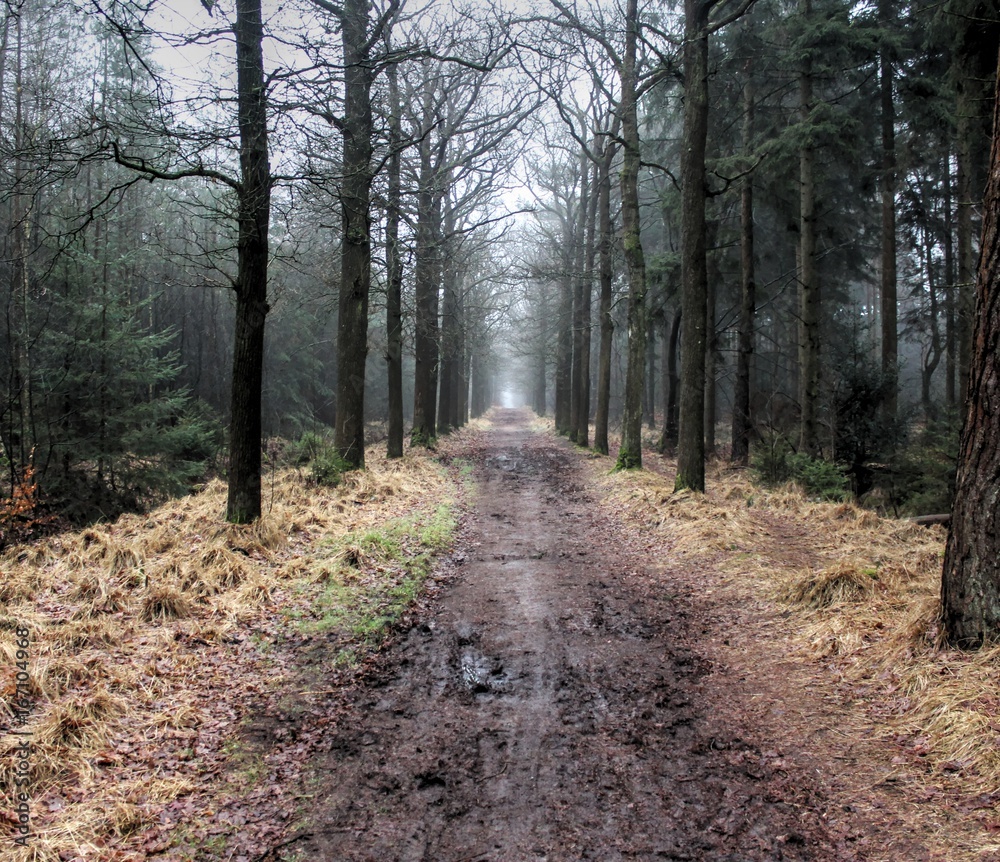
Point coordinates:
[(543, 710)]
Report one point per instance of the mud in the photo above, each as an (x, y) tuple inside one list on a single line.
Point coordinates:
[(549, 707)]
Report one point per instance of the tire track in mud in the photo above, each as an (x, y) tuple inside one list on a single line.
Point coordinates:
[(545, 710)]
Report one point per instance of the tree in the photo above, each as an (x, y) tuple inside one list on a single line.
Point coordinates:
[(605, 232), (887, 121), (970, 581), (742, 420), (698, 26), (808, 270), (394, 270), (253, 193), (359, 36), (462, 117), (630, 453)]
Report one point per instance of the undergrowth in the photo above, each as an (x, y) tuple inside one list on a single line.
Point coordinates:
[(861, 592), (371, 578), (150, 635)]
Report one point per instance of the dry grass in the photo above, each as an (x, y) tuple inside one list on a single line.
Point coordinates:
[(134, 627), (863, 591)]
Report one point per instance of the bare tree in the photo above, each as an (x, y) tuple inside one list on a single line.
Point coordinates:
[(362, 30), (634, 82), (253, 192), (461, 116)]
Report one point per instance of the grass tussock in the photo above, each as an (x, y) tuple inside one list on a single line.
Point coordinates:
[(139, 632), (864, 594), (846, 581)]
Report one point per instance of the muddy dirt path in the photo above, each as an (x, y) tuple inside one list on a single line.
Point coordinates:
[(545, 710)]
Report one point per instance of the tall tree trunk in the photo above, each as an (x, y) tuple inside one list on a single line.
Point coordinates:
[(711, 343), (649, 401), (966, 252), (564, 350), (671, 387), (394, 273), (583, 428), (480, 385), (950, 302), (426, 281), (694, 271), (970, 582), (355, 256), (243, 504), (630, 453), (579, 371), (606, 322), (742, 426), (809, 291), (890, 335), (448, 387), (460, 382), (539, 395), (932, 357)]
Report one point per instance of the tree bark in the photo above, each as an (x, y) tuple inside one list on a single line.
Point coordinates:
[(966, 253), (890, 335), (426, 278), (355, 256), (394, 273), (694, 272), (460, 381), (809, 291), (649, 402), (607, 326), (583, 428), (932, 356), (480, 385), (671, 387), (580, 371), (254, 193), (711, 342), (539, 395), (742, 425), (448, 388), (564, 350), (630, 453), (970, 582), (950, 329)]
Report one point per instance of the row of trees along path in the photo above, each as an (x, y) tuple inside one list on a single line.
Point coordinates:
[(418, 127)]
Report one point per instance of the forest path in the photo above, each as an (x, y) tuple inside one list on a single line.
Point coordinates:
[(546, 708)]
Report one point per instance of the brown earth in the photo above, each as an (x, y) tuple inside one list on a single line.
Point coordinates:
[(554, 702)]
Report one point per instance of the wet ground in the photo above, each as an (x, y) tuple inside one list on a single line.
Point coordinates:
[(549, 706)]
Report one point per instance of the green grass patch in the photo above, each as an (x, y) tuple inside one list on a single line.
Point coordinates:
[(465, 468), (371, 579)]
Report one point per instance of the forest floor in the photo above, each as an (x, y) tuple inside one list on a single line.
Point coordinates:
[(519, 656)]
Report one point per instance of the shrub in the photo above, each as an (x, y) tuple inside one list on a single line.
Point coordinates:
[(770, 460), (308, 447), (318, 452), (328, 467), (921, 480), (819, 478), (775, 462), (863, 433)]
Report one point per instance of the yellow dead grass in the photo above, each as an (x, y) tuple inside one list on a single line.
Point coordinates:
[(864, 592), (113, 611)]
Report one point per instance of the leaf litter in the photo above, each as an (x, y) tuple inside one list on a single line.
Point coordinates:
[(155, 641)]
